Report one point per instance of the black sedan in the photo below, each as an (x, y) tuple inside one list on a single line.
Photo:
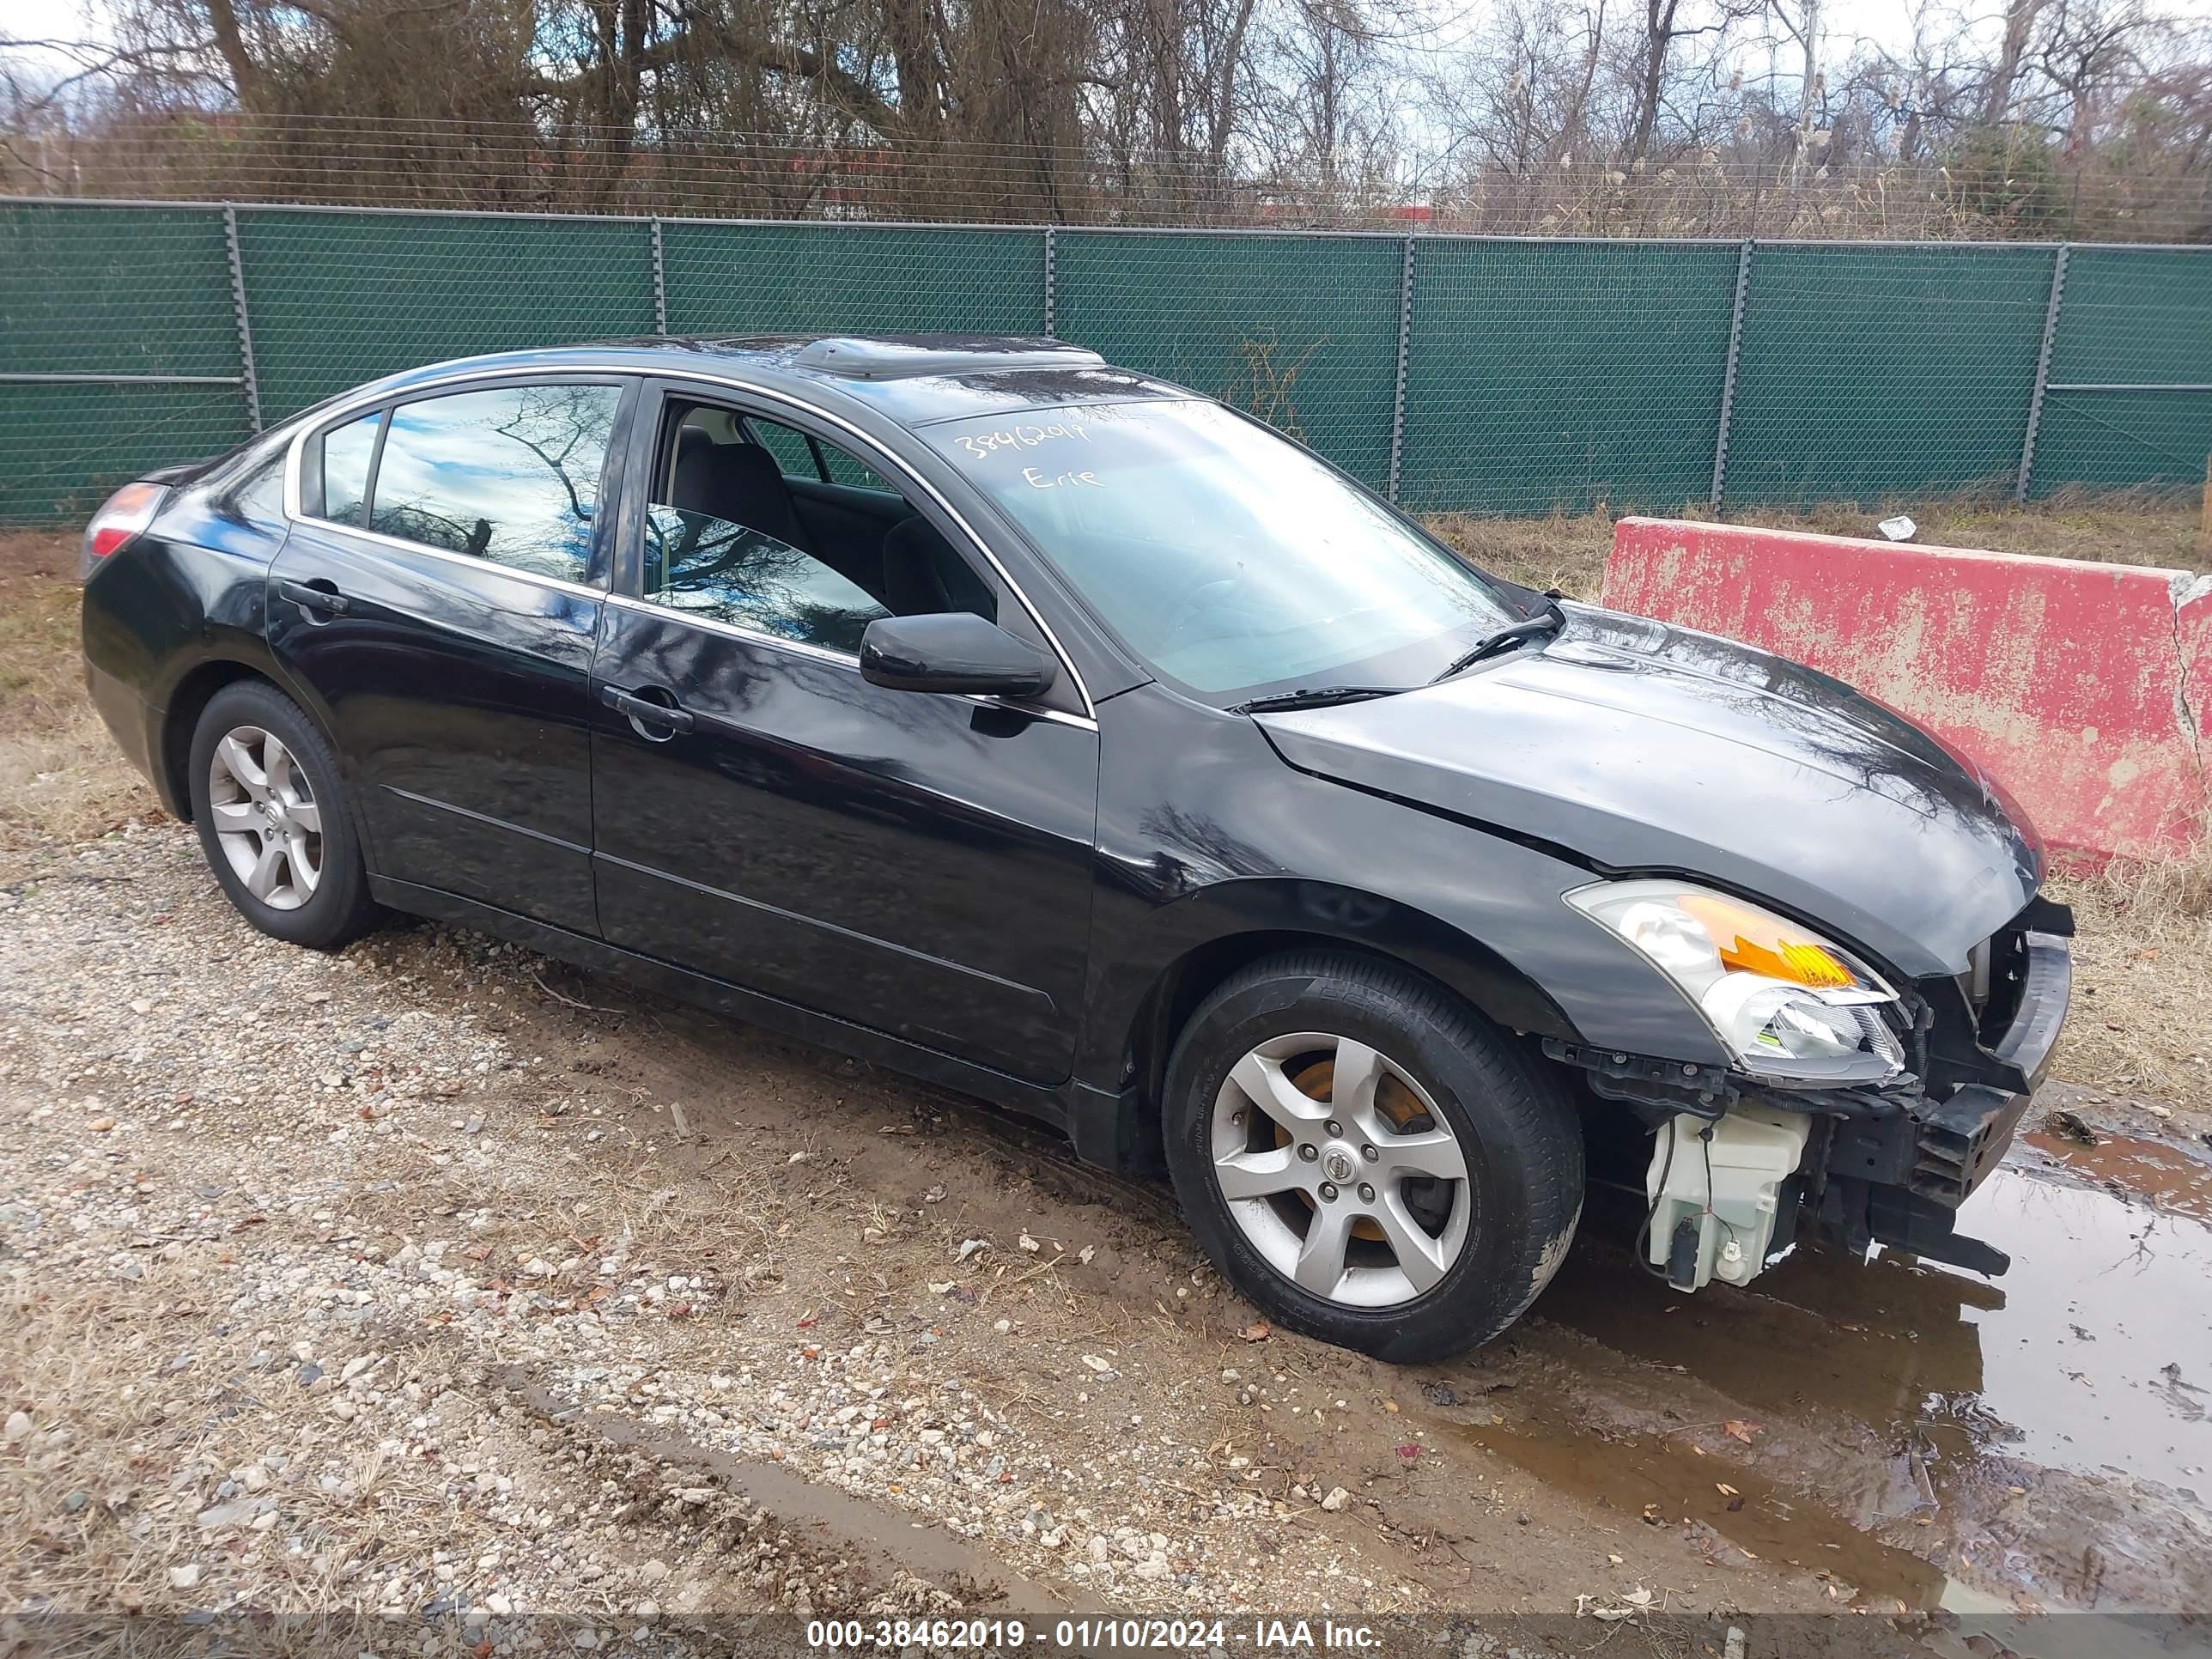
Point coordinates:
[(1044, 730)]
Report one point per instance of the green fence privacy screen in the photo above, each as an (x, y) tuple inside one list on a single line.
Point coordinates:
[(1479, 374)]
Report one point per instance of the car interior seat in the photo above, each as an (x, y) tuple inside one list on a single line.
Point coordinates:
[(924, 577), (739, 483)]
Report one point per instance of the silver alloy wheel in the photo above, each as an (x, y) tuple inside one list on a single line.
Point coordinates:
[(265, 817), (1327, 1186)]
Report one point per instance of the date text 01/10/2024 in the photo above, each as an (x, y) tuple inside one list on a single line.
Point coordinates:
[(1090, 1634)]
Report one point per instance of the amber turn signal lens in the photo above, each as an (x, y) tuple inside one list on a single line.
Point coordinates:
[(1752, 943)]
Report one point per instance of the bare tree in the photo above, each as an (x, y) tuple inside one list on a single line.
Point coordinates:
[(1611, 116), (1660, 71), (2018, 24)]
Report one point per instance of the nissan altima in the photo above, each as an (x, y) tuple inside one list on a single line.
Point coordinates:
[(1050, 732)]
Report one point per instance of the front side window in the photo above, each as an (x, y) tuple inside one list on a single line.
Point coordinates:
[(1226, 557), (808, 461), (712, 567), (792, 452), (509, 475), (854, 474), (725, 536), (347, 452)]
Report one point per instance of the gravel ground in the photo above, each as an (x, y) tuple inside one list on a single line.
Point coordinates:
[(429, 1281), (474, 1304), (339, 1186)]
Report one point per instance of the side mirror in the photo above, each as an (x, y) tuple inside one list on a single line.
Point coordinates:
[(957, 651)]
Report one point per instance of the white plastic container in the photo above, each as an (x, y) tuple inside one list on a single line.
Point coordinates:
[(1727, 1187)]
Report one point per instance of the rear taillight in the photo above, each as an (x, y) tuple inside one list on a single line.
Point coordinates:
[(126, 514)]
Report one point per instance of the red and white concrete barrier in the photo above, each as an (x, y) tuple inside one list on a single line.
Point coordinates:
[(2085, 689)]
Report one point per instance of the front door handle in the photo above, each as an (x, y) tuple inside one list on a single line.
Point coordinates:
[(644, 711), (309, 598)]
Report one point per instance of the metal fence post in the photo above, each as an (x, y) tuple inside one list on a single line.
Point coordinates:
[(1051, 283), (1398, 386), (246, 377), (659, 282), (1735, 358), (2042, 370)]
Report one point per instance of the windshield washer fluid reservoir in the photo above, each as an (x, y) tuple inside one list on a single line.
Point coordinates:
[(1713, 1216)]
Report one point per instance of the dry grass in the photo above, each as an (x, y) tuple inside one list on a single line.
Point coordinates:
[(1567, 552), (100, 1421), (60, 778), (92, 1518), (138, 1427), (2123, 527), (2142, 961)]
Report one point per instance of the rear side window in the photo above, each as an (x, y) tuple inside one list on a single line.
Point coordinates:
[(510, 475), (347, 452)]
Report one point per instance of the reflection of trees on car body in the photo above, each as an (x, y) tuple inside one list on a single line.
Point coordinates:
[(715, 569), (524, 459)]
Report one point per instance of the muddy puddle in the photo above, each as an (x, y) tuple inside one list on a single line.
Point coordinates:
[(1922, 1436), (2169, 1177), (1744, 1515)]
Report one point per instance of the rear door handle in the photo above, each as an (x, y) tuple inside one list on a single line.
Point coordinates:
[(315, 599), (644, 710)]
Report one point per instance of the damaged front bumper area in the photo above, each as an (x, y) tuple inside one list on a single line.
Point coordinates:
[(1741, 1169), (1897, 1178)]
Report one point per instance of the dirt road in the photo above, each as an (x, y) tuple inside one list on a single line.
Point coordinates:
[(434, 1281)]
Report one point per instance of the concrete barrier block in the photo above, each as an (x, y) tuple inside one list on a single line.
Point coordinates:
[(2085, 689)]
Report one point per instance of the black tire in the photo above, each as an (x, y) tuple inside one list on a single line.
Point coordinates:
[(339, 909), (1516, 1126)]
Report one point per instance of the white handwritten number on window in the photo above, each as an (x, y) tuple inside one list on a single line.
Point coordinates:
[(1021, 437)]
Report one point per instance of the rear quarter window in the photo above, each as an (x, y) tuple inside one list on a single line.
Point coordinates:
[(347, 452)]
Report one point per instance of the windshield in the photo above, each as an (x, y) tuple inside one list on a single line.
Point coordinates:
[(1228, 559)]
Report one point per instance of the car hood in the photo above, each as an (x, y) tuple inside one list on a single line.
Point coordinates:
[(1640, 747)]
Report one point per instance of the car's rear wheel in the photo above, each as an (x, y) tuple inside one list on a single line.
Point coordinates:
[(274, 821), (1369, 1159)]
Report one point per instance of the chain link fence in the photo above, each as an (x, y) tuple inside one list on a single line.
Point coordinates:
[(1469, 374), (2013, 189)]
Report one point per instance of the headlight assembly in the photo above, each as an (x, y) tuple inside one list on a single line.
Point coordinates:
[(1784, 1001)]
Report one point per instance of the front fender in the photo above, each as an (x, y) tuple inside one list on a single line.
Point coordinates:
[(1206, 932), (1202, 827)]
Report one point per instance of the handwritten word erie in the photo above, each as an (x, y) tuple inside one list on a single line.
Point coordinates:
[(1021, 437), (1038, 481)]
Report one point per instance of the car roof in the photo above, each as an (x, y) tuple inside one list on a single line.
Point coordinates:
[(914, 380)]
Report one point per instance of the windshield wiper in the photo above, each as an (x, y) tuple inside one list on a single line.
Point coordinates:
[(1319, 697), (1505, 639)]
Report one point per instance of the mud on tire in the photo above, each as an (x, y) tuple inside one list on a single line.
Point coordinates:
[(1515, 1128)]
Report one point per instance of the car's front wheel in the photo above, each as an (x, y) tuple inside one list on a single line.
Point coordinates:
[(1369, 1159), (273, 820)]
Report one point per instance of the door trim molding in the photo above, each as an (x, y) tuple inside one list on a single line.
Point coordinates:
[(486, 818), (1053, 1103), (816, 922)]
